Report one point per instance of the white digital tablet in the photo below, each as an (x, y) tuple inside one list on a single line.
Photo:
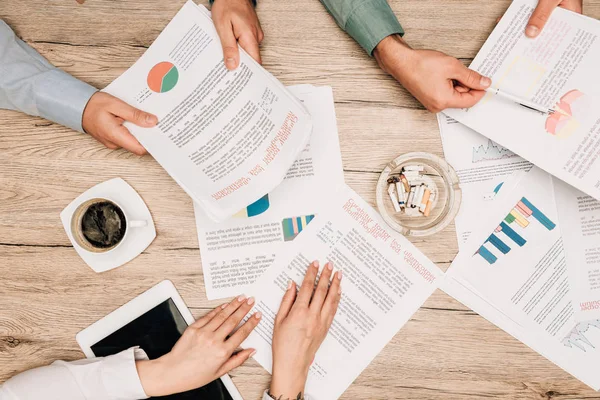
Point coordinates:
[(154, 321)]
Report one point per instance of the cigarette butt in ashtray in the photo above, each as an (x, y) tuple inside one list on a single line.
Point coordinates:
[(429, 205), (425, 200), (393, 197)]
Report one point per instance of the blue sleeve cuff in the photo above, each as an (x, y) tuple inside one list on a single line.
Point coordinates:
[(371, 22)]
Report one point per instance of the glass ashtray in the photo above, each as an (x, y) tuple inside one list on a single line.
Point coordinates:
[(435, 185)]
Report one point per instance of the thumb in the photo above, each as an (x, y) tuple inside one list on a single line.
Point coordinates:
[(539, 17), (235, 361), (471, 79), (231, 54), (132, 114)]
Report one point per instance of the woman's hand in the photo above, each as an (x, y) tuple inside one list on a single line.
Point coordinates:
[(205, 351), (544, 9), (437, 80), (236, 21), (301, 326)]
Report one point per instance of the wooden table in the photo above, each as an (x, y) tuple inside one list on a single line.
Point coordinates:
[(47, 293)]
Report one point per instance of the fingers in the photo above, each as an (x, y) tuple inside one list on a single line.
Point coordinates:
[(132, 114), (466, 99), (234, 320), (471, 79), (244, 331), (121, 137), (322, 287), (308, 285), (539, 17), (333, 299), (235, 361), (250, 44), (231, 54), (286, 303), (225, 313), (200, 322)]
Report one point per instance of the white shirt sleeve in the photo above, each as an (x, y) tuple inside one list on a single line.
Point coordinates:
[(110, 378)]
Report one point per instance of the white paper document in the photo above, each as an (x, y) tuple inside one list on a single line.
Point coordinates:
[(514, 272), (226, 137), (558, 70), (237, 251), (579, 217), (385, 280), (482, 167)]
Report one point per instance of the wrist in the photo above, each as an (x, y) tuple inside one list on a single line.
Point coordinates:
[(152, 376), (392, 53), (288, 386)]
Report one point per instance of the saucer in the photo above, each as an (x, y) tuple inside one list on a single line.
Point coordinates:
[(136, 240)]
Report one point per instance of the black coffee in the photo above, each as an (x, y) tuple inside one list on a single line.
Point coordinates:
[(103, 224)]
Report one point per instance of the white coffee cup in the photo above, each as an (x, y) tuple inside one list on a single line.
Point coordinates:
[(77, 227)]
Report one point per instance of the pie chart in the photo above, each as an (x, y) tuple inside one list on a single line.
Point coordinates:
[(163, 77)]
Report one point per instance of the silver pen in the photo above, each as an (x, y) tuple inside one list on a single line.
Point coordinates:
[(523, 102)]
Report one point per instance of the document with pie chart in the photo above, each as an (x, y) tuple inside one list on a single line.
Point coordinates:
[(557, 70)]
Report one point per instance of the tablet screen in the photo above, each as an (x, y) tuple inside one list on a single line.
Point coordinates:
[(156, 332)]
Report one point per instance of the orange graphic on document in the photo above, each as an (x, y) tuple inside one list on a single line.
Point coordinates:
[(565, 120)]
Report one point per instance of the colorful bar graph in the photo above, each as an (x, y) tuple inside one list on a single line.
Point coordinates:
[(521, 215), (499, 244), (293, 226), (487, 255)]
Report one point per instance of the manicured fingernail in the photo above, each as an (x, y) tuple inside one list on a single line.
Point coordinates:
[(289, 286), (339, 275), (258, 315), (241, 298), (253, 353), (151, 119), (316, 264), (485, 81), (224, 305), (532, 31), (230, 62), (330, 266), (250, 301)]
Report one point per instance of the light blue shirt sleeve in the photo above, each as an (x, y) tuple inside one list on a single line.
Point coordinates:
[(29, 83)]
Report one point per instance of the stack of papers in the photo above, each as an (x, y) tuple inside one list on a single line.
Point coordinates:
[(529, 240)]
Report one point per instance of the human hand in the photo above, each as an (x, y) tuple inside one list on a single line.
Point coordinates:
[(103, 119), (544, 9), (236, 21), (300, 327), (437, 80), (204, 352)]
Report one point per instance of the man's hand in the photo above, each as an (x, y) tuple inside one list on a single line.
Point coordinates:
[(236, 21), (543, 11), (438, 81), (300, 327), (205, 351), (103, 119)]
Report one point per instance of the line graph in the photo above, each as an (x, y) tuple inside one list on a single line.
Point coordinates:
[(577, 337), (491, 151)]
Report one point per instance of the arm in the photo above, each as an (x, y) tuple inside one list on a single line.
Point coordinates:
[(114, 377), (367, 21), (30, 84)]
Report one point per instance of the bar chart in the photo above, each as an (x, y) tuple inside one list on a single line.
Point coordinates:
[(512, 231), (293, 226)]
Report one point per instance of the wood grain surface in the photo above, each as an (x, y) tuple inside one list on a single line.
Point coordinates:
[(47, 293)]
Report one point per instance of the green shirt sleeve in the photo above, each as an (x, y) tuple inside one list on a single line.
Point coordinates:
[(367, 21)]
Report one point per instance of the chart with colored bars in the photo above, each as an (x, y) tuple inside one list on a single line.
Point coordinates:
[(163, 77), (513, 228), (258, 207), (293, 226)]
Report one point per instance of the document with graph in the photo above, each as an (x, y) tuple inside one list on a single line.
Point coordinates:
[(579, 216), (237, 251), (514, 272), (558, 70), (385, 281), (226, 137), (482, 167)]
